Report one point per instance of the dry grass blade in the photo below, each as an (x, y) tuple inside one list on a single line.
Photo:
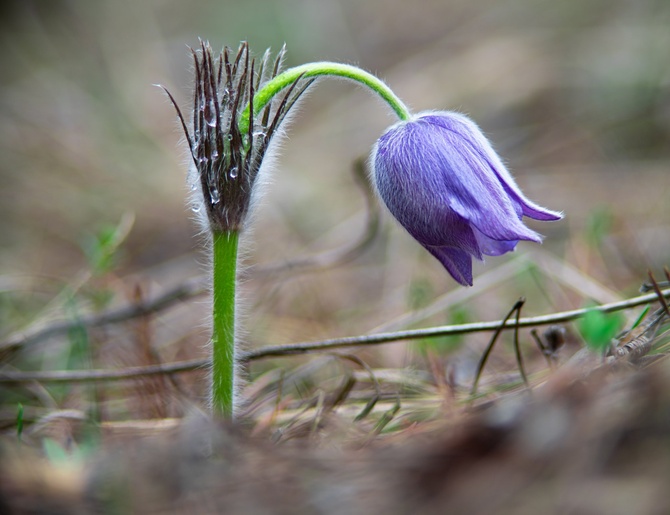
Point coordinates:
[(485, 356), (517, 349), (639, 341), (375, 383), (660, 296), (386, 418)]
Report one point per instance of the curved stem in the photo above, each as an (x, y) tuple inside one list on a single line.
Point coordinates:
[(263, 96), (223, 321)]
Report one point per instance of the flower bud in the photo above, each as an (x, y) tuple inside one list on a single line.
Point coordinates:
[(225, 159), (441, 179)]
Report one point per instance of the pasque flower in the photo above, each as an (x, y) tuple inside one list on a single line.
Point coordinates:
[(441, 179), (436, 172)]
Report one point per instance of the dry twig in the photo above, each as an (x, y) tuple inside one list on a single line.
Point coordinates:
[(322, 346)]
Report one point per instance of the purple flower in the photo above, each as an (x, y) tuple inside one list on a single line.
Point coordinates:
[(441, 179)]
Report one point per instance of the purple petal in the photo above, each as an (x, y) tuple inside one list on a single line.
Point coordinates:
[(471, 189), (419, 203), (492, 247), (530, 209), (457, 262), (471, 133)]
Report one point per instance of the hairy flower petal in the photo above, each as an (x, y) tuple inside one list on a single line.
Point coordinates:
[(439, 176), (457, 262)]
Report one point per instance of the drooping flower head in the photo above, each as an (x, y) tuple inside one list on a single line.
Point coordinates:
[(227, 159), (441, 179)]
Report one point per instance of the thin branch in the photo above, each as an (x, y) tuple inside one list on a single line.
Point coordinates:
[(184, 291), (83, 376), (447, 330), (323, 346)]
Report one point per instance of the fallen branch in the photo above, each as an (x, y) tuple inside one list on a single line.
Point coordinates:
[(184, 291), (320, 346), (447, 330)]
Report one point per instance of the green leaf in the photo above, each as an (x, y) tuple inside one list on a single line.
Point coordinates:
[(19, 420), (443, 345), (599, 225), (640, 318), (54, 452), (598, 328), (421, 293), (102, 249)]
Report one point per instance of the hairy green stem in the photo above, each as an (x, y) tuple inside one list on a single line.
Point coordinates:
[(264, 95), (223, 330)]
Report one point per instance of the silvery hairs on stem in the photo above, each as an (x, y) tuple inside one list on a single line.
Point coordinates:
[(227, 161)]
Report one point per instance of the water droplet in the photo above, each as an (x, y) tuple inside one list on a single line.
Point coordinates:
[(210, 115), (215, 153), (233, 172), (229, 137), (259, 135), (214, 196), (195, 209), (194, 186), (203, 161)]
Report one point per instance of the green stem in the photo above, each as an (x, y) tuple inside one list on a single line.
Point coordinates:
[(223, 331), (263, 96)]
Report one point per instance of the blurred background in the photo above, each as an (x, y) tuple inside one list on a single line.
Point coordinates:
[(575, 96)]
